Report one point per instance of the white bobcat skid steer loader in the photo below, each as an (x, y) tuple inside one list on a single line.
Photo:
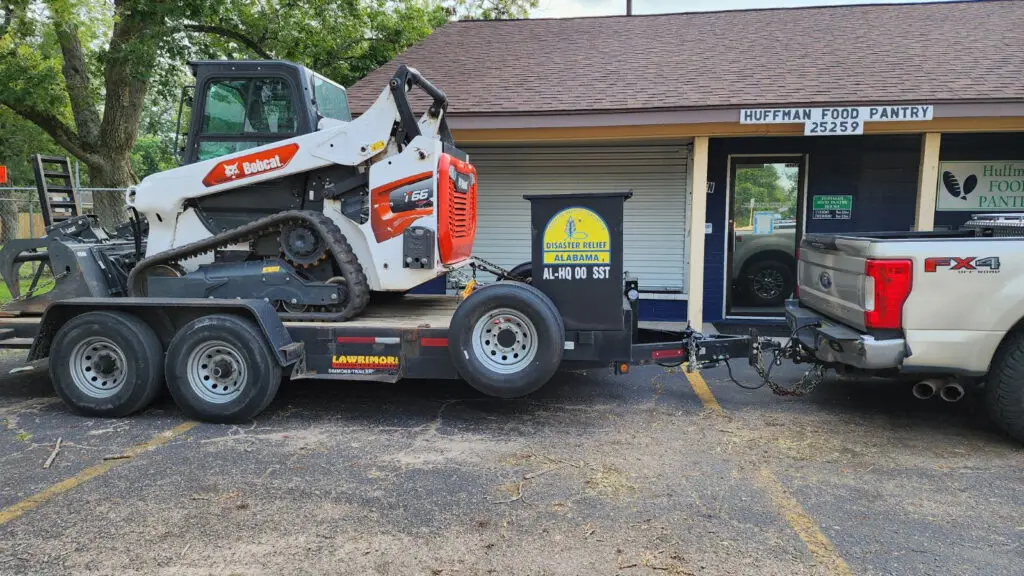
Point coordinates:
[(283, 197)]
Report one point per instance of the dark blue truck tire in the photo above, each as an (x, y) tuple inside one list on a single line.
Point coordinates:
[(220, 368), (106, 363), (1004, 387), (507, 339)]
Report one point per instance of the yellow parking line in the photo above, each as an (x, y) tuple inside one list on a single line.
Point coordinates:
[(700, 388), (819, 544), (788, 507), (37, 499)]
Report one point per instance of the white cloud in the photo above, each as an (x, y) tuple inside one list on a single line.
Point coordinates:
[(576, 8)]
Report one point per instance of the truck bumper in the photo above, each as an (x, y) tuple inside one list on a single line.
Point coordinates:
[(835, 343)]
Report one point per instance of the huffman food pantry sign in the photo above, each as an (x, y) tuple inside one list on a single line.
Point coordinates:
[(993, 186), (837, 120)]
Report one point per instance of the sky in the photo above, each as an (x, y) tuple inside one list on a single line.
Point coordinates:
[(570, 8)]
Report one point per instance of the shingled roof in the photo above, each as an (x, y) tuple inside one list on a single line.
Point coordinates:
[(934, 53)]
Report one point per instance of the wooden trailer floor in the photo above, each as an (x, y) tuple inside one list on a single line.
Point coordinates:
[(412, 311)]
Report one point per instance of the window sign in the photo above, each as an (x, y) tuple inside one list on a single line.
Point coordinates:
[(992, 186), (764, 222), (831, 207), (834, 120)]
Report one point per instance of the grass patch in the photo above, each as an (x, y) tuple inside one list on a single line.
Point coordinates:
[(45, 285)]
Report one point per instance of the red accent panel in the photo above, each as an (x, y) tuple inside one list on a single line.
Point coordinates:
[(659, 354), (3, 174), (385, 223), (356, 339), (434, 342), (456, 211), (250, 165)]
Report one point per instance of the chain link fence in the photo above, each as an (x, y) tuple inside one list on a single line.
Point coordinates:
[(21, 215)]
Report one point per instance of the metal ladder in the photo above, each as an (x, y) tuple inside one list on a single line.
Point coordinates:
[(58, 195)]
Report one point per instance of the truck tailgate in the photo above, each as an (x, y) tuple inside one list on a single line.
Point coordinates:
[(831, 277)]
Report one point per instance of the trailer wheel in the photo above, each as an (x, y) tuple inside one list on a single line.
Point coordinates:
[(1004, 388), (106, 363), (507, 339), (220, 369)]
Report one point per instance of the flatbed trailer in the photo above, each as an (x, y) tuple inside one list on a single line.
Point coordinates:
[(223, 359)]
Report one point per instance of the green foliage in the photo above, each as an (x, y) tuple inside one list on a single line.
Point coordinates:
[(493, 9), (19, 140), (102, 77), (764, 187)]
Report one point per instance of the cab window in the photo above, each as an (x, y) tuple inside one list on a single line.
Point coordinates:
[(331, 99), (241, 113)]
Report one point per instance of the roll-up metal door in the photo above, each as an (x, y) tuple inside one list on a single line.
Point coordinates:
[(655, 218)]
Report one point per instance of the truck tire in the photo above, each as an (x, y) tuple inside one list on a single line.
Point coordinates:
[(220, 369), (106, 363), (507, 339), (767, 282), (1004, 388)]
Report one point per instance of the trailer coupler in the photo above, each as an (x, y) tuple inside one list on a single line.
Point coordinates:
[(710, 352)]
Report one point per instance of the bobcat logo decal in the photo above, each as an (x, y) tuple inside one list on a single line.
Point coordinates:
[(231, 170)]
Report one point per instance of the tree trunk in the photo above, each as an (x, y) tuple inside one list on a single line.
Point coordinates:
[(110, 171)]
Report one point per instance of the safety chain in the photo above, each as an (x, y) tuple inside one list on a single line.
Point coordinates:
[(30, 293), (812, 377)]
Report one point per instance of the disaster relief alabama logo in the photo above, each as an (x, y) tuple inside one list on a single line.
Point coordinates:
[(577, 236)]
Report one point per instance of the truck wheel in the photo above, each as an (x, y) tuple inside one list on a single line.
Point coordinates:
[(507, 339), (767, 283), (1004, 388), (106, 363), (220, 369)]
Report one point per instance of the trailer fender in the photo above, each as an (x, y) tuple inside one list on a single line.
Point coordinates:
[(167, 315)]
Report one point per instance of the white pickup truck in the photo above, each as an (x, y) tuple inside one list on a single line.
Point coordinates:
[(945, 307)]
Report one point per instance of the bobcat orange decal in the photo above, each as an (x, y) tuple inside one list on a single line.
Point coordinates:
[(251, 165)]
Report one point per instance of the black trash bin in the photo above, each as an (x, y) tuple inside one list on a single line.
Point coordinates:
[(577, 256)]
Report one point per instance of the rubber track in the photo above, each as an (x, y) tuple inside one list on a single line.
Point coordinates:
[(344, 257)]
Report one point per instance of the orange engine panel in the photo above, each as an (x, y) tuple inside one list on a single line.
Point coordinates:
[(456, 209), (396, 205)]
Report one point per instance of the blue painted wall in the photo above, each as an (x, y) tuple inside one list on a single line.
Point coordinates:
[(880, 172), (1007, 146)]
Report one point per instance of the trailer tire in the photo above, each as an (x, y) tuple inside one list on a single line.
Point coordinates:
[(1004, 387), (106, 363), (220, 369), (507, 339)]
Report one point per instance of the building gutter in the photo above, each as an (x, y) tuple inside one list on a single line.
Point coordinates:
[(694, 116)]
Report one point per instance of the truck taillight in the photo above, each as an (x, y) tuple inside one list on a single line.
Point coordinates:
[(887, 289)]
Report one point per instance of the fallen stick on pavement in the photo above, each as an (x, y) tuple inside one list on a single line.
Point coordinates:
[(56, 449)]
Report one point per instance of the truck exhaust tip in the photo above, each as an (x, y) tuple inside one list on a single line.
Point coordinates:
[(952, 392), (925, 389)]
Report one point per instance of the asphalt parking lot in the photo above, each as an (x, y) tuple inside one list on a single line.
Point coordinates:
[(594, 474)]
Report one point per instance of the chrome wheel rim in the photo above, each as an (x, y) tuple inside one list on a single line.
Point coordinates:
[(216, 372), (98, 367), (505, 341), (768, 284)]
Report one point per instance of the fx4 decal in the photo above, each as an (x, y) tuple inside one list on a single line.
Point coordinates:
[(966, 264)]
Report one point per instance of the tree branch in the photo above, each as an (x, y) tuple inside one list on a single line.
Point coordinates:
[(61, 133), (231, 35), (76, 80)]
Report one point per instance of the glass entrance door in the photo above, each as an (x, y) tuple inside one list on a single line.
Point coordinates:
[(765, 225)]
